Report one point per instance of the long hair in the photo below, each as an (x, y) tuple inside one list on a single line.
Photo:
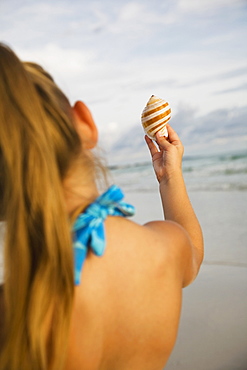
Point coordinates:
[(38, 143)]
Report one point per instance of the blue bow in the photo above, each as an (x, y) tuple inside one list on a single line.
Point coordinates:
[(89, 226)]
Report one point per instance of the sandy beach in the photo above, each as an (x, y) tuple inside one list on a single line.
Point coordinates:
[(213, 326)]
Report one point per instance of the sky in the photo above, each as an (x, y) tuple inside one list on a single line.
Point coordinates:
[(114, 54)]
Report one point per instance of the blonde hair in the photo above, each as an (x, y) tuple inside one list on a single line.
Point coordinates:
[(38, 143)]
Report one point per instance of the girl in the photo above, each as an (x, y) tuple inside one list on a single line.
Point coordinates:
[(61, 306)]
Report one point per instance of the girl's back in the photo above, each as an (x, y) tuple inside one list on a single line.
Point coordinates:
[(127, 307)]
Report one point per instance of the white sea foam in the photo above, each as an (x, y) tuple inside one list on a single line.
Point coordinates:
[(218, 172)]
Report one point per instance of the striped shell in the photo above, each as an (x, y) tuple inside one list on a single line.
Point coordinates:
[(155, 116)]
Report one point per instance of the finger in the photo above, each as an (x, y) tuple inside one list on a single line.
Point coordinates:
[(152, 147), (161, 141), (172, 135)]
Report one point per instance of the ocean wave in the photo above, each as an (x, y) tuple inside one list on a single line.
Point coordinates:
[(210, 173), (225, 263), (217, 187), (233, 157)]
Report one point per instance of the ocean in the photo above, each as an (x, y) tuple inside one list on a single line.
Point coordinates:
[(221, 172)]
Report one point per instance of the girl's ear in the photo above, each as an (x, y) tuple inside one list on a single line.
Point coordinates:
[(85, 125)]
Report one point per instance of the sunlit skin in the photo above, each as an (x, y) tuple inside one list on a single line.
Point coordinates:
[(127, 307)]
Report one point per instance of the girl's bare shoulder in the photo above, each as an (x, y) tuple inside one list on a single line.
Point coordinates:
[(159, 241)]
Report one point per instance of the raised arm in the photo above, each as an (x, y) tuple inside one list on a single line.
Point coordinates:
[(167, 163)]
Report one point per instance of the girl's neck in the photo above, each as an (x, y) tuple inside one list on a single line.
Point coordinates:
[(80, 190)]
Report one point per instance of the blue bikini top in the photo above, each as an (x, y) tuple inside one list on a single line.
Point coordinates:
[(88, 228)]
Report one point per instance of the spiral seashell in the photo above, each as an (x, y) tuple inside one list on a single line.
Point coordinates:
[(155, 116)]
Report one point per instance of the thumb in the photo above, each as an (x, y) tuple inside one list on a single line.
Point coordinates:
[(162, 141)]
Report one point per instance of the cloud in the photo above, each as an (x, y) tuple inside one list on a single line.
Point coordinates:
[(227, 75), (223, 130), (242, 87), (202, 6), (70, 61), (242, 71), (225, 124), (115, 54), (33, 22)]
